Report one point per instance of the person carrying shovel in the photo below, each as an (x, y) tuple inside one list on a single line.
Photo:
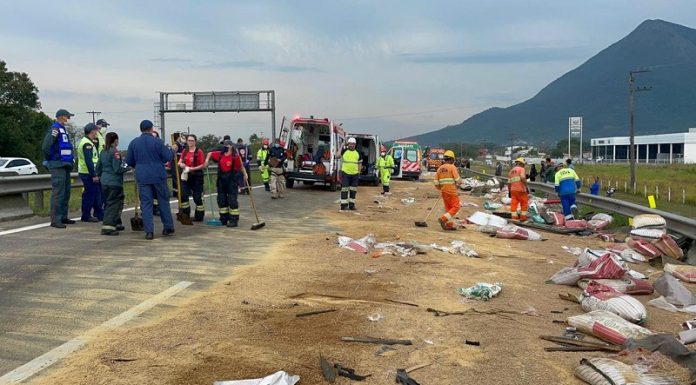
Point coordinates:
[(446, 180), (229, 171)]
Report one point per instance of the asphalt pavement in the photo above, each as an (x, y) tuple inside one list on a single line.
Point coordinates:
[(56, 284)]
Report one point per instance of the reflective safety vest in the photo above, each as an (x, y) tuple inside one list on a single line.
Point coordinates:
[(517, 179), (567, 181), (261, 155), (350, 160), (101, 139), (61, 149), (385, 162), (81, 164), (447, 178)]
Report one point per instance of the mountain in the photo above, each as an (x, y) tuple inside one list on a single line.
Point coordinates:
[(597, 90)]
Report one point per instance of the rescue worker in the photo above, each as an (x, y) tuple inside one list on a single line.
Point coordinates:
[(385, 166), (230, 166), (261, 156), (177, 147), (567, 184), (147, 155), (350, 175), (499, 169), (101, 132), (446, 180), (275, 162), (110, 171), (87, 159), (245, 154), (58, 154), (191, 162), (550, 171), (517, 186)]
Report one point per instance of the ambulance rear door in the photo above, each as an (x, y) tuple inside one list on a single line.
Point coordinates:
[(397, 152)]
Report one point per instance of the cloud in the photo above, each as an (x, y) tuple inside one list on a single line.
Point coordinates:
[(522, 55), (231, 64), (295, 69), (97, 97), (169, 60)]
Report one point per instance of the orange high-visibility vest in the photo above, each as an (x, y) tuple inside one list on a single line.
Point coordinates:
[(518, 179), (447, 178)]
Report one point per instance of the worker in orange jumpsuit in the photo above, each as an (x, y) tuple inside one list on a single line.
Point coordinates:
[(519, 193), (446, 180)]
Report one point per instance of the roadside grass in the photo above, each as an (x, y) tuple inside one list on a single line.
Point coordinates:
[(129, 191), (675, 178)]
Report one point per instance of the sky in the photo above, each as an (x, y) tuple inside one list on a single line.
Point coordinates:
[(393, 68)]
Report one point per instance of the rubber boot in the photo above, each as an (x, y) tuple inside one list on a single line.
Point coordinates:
[(234, 221), (344, 207), (351, 206), (199, 215), (443, 222), (266, 186)]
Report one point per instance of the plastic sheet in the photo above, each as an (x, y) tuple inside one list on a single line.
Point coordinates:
[(674, 291), (481, 291), (460, 247), (486, 219), (361, 245), (278, 378)]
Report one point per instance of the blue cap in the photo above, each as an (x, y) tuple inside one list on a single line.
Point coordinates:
[(146, 125), (63, 112)]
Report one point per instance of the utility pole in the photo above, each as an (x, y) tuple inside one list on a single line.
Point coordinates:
[(512, 140), (632, 89), (94, 113)]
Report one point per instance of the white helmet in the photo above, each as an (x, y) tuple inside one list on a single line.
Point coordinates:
[(351, 140)]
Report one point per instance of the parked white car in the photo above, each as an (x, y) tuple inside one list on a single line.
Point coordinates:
[(22, 166)]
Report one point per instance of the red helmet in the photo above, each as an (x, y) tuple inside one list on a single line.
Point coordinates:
[(382, 148), (265, 142)]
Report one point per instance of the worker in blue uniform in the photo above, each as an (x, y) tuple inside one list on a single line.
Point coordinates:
[(59, 158), (147, 155)]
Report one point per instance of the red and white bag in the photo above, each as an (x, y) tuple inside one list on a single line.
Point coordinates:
[(516, 232), (668, 246), (576, 224), (608, 326), (626, 285), (686, 273), (643, 247), (558, 219), (602, 297), (599, 221)]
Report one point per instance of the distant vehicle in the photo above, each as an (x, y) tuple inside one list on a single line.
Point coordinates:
[(21, 166), (368, 145), (436, 157), (489, 162), (314, 150), (599, 160), (407, 159)]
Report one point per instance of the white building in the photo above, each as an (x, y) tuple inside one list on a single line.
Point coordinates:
[(664, 148)]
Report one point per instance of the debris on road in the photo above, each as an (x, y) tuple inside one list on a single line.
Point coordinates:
[(481, 291), (278, 378), (601, 297), (486, 219), (403, 378), (511, 231), (602, 371), (309, 313), (375, 317), (460, 247), (361, 245), (408, 201), (379, 341), (608, 327), (686, 273)]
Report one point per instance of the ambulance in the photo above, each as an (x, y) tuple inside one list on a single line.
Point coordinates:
[(313, 147), (368, 146), (407, 159)]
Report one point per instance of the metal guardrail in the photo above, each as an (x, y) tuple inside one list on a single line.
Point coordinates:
[(11, 185), (677, 223)]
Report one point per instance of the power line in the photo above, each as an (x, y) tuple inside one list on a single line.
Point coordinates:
[(94, 113)]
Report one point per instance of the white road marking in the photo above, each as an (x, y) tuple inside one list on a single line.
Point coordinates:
[(39, 363), (47, 224)]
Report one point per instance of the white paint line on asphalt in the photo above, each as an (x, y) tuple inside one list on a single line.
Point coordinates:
[(42, 225), (51, 357)]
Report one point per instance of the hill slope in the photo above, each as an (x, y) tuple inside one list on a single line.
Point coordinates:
[(597, 90)]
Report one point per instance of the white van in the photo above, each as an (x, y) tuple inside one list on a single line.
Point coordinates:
[(368, 146), (314, 150)]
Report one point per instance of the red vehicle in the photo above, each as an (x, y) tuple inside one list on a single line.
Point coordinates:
[(314, 151)]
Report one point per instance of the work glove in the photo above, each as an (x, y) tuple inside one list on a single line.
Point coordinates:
[(187, 170)]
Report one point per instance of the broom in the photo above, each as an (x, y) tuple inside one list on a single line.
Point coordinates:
[(258, 223), (424, 222), (214, 221)]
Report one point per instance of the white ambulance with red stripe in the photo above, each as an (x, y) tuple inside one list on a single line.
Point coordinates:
[(407, 159)]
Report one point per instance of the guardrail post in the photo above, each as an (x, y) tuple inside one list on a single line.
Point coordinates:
[(39, 200), (669, 194)]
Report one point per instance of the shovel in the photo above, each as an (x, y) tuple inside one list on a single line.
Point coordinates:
[(136, 221), (258, 223), (214, 221), (424, 222), (181, 217)]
